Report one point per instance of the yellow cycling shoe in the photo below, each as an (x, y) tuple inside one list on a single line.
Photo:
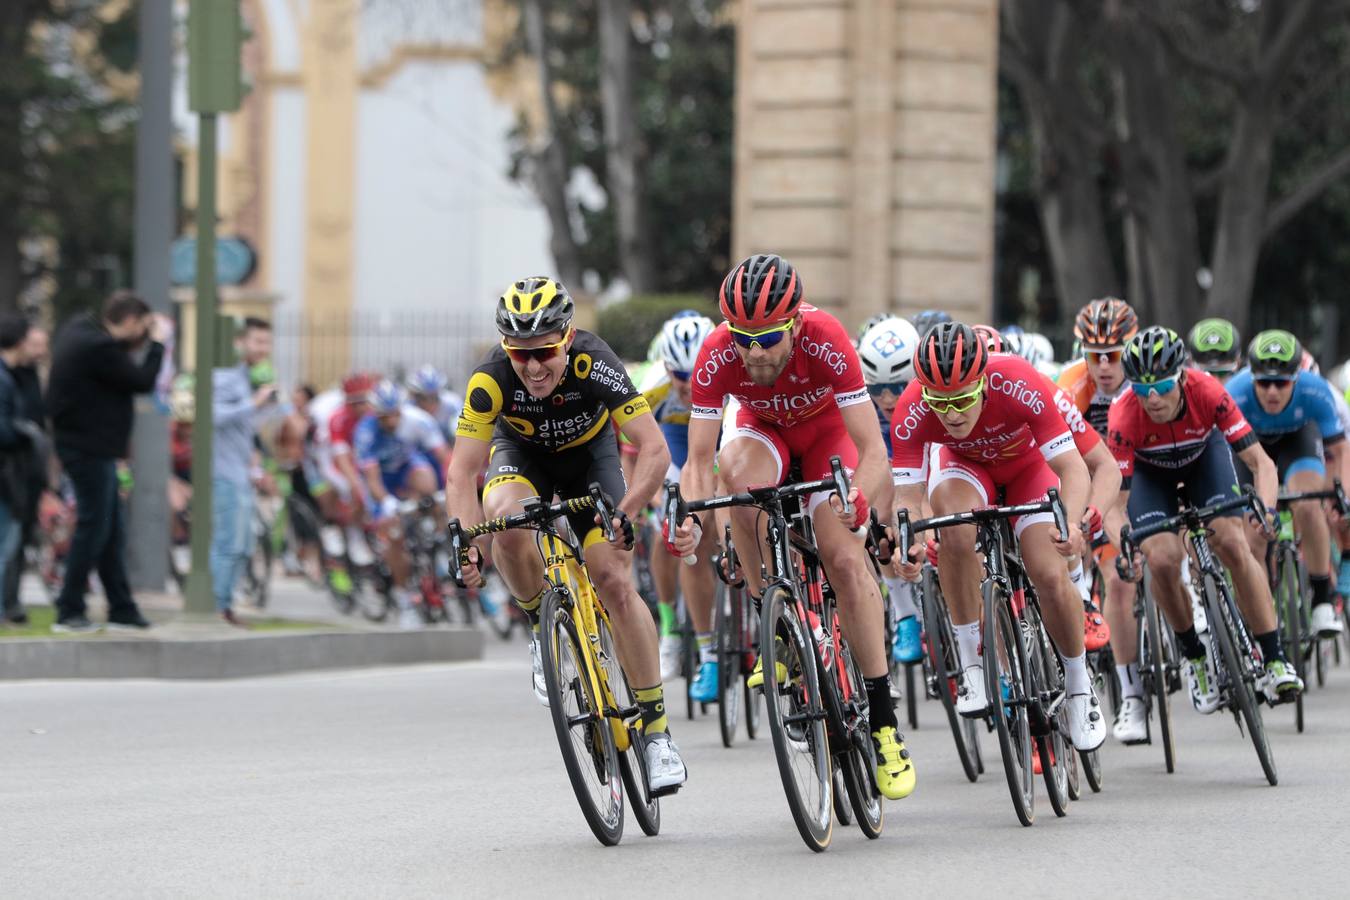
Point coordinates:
[(895, 770), (756, 678)]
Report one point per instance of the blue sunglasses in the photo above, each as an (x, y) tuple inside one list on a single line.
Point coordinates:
[(1158, 387)]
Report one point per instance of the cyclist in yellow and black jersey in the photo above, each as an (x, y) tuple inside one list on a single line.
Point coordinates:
[(537, 415)]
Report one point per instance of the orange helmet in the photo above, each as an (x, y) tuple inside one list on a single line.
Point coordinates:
[(950, 356), (762, 290), (1107, 322)]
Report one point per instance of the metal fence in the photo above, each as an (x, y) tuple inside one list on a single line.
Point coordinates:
[(321, 348)]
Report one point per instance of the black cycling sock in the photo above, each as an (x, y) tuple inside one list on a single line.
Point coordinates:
[(1270, 645), (531, 607), (1321, 589), (652, 704), (1190, 643), (881, 708)]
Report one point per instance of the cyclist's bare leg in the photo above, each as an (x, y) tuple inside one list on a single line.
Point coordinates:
[(611, 571), (741, 463), (422, 482), (696, 582), (1311, 522), (395, 551), (1060, 600), (1249, 576), (959, 570), (844, 556), (1119, 602), (1166, 555), (515, 554), (663, 566)]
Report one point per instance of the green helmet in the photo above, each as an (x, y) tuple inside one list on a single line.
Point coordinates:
[(1275, 354), (1215, 345), (261, 373)]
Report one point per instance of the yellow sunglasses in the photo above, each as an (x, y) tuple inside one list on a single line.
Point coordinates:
[(767, 338), (957, 402)]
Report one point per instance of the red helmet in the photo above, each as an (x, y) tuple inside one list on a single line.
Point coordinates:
[(993, 341), (762, 290), (950, 356), (357, 386)]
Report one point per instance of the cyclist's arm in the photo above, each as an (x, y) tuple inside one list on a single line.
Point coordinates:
[(374, 483), (1116, 517), (653, 459), (461, 484), (1340, 461), (1104, 475), (696, 479), (1072, 472), (873, 476), (1264, 476)]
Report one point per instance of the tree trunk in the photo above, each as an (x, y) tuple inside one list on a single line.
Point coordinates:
[(1157, 187), (549, 170), (623, 146), (1242, 214), (16, 82)]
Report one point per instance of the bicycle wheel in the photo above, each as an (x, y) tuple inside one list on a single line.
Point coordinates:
[(584, 734), (796, 719), (1102, 672), (1153, 673), (258, 568), (632, 759), (1007, 678), (860, 759), (911, 695), (1289, 607), (495, 600), (1239, 671), (1053, 747), (726, 625), (944, 667), (749, 643), (370, 593)]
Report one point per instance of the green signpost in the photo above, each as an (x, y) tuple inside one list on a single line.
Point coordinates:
[(215, 85)]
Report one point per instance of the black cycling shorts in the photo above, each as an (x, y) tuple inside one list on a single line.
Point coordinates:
[(1293, 452), (1155, 493), (562, 473)]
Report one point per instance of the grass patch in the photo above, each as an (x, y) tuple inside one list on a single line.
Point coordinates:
[(40, 619), (273, 624)]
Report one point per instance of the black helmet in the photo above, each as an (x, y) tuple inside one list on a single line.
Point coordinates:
[(534, 306), (1275, 354), (927, 319), (1154, 354)]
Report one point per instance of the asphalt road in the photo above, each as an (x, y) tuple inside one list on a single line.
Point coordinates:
[(444, 781)]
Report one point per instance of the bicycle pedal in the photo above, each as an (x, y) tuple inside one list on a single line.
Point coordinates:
[(665, 791)]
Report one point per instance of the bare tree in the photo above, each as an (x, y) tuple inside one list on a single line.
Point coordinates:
[(623, 145)]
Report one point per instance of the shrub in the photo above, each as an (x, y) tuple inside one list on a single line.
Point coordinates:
[(629, 326)]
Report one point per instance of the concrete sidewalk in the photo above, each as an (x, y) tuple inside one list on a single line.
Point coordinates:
[(181, 646)]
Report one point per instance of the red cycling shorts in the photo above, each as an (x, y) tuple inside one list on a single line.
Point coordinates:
[(811, 442), (1023, 480)]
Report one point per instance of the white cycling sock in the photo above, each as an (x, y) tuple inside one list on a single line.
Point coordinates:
[(706, 652), (1075, 674), (968, 643), (1130, 686), (1079, 579), (902, 597)]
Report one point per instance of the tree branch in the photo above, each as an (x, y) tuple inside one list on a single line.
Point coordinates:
[(1292, 203), (1164, 32), (1298, 17)]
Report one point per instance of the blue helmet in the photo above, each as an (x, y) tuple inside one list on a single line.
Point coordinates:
[(928, 319), (387, 398), (426, 380)]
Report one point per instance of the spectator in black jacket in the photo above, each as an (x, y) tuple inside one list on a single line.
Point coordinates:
[(33, 409), (13, 443), (89, 398)]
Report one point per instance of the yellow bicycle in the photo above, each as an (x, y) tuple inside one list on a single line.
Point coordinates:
[(594, 712)]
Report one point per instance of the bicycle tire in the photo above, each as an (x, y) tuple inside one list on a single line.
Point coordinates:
[(749, 647), (565, 665), (369, 594), (497, 613), (1241, 681), (911, 695), (1289, 607), (1102, 671), (258, 565), (843, 810), (1002, 638), (750, 696), (941, 655), (1053, 748), (633, 760), (1153, 670), (860, 760), (726, 627), (783, 640)]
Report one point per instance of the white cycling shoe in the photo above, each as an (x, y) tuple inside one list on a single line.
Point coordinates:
[(971, 700), (670, 657), (1131, 725), (1203, 680), (537, 670), (1325, 622), (665, 767), (1087, 726)]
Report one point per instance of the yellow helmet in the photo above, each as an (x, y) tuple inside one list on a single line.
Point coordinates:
[(534, 306)]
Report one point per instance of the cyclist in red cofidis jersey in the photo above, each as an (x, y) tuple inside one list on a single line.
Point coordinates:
[(970, 424), (802, 399)]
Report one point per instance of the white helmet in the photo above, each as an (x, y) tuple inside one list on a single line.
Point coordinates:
[(887, 351), (1034, 348), (680, 340)]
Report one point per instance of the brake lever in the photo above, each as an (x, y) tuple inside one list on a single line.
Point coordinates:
[(841, 486), (1125, 561), (904, 535), (1057, 510), (676, 512), (602, 509), (878, 534), (1342, 505), (458, 553)]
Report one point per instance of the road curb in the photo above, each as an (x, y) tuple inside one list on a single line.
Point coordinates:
[(233, 657)]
